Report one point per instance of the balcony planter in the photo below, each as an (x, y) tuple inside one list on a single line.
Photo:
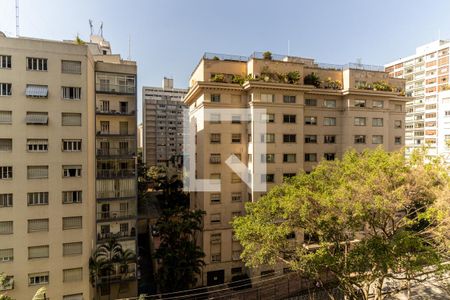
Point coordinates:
[(312, 79)]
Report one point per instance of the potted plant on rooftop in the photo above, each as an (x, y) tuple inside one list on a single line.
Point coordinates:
[(267, 55)]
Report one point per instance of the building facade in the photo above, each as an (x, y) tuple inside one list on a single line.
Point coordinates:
[(305, 124), (162, 123), (426, 73), (51, 165)]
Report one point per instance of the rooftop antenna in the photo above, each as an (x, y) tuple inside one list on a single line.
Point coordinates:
[(91, 26), (101, 29), (17, 18)]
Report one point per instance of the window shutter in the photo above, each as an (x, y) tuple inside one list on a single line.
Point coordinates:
[(37, 172), (37, 118), (5, 144), (6, 227), (70, 275), (39, 91), (71, 119), (36, 225), (72, 223), (38, 252), (72, 248), (71, 67), (5, 116), (6, 254)]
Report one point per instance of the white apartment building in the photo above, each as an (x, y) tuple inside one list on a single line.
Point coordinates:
[(427, 74)]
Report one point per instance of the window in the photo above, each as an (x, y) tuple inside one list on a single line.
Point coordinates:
[(37, 198), (377, 139), (215, 98), (289, 158), (69, 197), (268, 118), (398, 140), (5, 61), (289, 118), (72, 223), (359, 121), (236, 138), (329, 139), (6, 227), (215, 198), (5, 117), (71, 67), (288, 175), (360, 139), (236, 197), (235, 178), (214, 158), (310, 102), (377, 104), (71, 93), (329, 103), (377, 122), (397, 124), (36, 91), (329, 156), (6, 172), (310, 120), (72, 171), (289, 138), (75, 248), (237, 270), (71, 119), (123, 107), (36, 64), (359, 103), (5, 145), (37, 225), (37, 118), (398, 108), (311, 157), (268, 98), (215, 138), (37, 172), (5, 89), (289, 99), (71, 145), (72, 275), (310, 139), (216, 241), (6, 200), (6, 255), (268, 158), (329, 121), (215, 218), (268, 178), (37, 145), (235, 119), (38, 252), (38, 278), (215, 119), (268, 138), (214, 176)]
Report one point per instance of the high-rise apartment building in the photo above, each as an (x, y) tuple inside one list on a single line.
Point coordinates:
[(426, 73), (53, 166), (163, 123), (353, 106)]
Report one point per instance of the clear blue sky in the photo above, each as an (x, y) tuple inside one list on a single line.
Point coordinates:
[(168, 37)]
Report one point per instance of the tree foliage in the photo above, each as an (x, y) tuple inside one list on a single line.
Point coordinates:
[(376, 216)]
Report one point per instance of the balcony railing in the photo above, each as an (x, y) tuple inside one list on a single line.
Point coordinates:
[(101, 111), (116, 194), (112, 173), (117, 235), (114, 215), (115, 152), (115, 88), (120, 275), (109, 133)]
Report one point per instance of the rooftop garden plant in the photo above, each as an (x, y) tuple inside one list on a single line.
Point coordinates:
[(312, 79), (267, 55), (218, 78), (332, 84), (382, 86)]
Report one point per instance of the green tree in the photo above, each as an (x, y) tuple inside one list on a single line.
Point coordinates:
[(3, 283), (181, 258), (374, 216), (108, 260)]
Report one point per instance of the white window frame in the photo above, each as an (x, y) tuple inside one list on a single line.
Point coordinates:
[(71, 93), (5, 89), (37, 145), (5, 61), (37, 64), (71, 145), (37, 198), (67, 168), (6, 172), (72, 197)]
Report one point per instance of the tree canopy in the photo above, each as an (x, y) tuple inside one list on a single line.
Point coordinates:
[(373, 215)]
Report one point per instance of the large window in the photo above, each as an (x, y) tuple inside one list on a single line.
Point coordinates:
[(311, 157), (71, 145), (377, 139), (268, 118), (215, 98), (377, 122), (36, 91), (38, 278), (72, 275), (72, 223), (71, 93), (359, 121), (6, 200), (269, 178), (72, 171), (329, 121), (71, 67), (37, 118), (37, 145), (69, 197), (268, 138), (289, 138), (289, 158), (5, 62), (310, 102), (6, 254), (289, 99), (37, 198), (360, 139), (310, 139), (5, 145), (236, 138), (6, 172), (268, 158), (329, 103), (329, 139), (359, 103), (37, 172), (289, 118), (36, 64), (310, 120), (5, 89), (215, 198), (377, 104)]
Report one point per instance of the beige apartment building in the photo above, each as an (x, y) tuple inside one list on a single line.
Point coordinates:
[(51, 168), (427, 116), (353, 106)]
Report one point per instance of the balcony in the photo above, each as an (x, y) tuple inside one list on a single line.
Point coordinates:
[(120, 274), (115, 215), (121, 235), (109, 133), (115, 152), (113, 112), (116, 194), (115, 89), (113, 173)]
